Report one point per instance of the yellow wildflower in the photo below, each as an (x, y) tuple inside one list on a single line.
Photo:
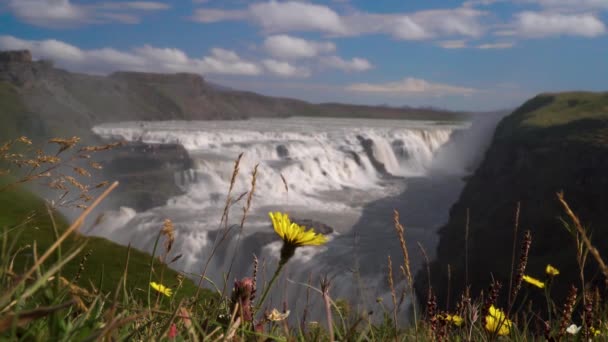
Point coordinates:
[(534, 281), (594, 332), (454, 319), (162, 289), (277, 316), (497, 322), (293, 233), (551, 271), (293, 236)]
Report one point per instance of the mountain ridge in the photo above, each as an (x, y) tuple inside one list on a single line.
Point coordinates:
[(71, 103)]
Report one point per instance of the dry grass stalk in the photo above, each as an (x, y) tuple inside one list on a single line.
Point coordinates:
[(490, 300), (588, 316), (585, 238), (169, 232), (247, 206), (224, 219), (284, 183), (567, 312), (325, 286), (521, 267), (393, 293), (466, 252), (515, 230), (406, 257), (431, 313)]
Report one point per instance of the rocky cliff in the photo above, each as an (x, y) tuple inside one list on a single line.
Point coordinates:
[(551, 143), (49, 101)]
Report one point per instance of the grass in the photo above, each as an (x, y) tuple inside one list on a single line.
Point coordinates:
[(571, 117), (105, 260)]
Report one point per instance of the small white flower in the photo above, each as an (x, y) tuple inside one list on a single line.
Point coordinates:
[(573, 329)]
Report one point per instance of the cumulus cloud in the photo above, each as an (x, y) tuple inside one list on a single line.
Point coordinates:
[(437, 23), (411, 86), (284, 69), (292, 16), (452, 44), (63, 13), (355, 64), (546, 24), (288, 16), (501, 45), (210, 15), (146, 58), (578, 5), (288, 47)]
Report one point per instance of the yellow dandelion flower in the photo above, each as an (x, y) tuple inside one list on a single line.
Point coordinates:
[(161, 288), (551, 271), (497, 322), (454, 319), (277, 316), (595, 332), (294, 234), (534, 281)]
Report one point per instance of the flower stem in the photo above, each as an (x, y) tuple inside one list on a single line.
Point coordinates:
[(274, 278)]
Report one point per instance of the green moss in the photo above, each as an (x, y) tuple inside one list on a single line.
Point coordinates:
[(105, 264)]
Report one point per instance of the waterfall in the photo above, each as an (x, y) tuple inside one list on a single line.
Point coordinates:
[(331, 167)]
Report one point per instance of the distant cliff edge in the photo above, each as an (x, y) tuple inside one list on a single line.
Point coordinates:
[(551, 143), (40, 100)]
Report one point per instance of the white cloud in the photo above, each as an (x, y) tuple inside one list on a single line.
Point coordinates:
[(546, 24), (578, 5), (210, 15), (288, 47), (287, 16), (48, 13), (355, 64), (502, 45), (433, 23), (290, 16), (284, 69), (135, 5), (64, 13), (453, 44), (411, 86), (145, 58)]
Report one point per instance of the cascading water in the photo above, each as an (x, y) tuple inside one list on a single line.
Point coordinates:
[(327, 170)]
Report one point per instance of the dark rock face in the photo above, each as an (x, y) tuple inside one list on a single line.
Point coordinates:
[(526, 165), (368, 148), (19, 56), (146, 173), (282, 151)]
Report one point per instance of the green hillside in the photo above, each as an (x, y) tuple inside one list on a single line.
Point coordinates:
[(103, 267), (577, 116)]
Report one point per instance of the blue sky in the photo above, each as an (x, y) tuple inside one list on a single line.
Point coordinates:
[(472, 55)]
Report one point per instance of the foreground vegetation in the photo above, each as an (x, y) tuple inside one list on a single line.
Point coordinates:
[(56, 284)]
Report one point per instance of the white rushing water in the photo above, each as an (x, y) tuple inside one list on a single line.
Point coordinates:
[(346, 173)]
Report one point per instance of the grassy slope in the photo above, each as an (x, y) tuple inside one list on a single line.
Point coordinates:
[(106, 258), (561, 115)]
